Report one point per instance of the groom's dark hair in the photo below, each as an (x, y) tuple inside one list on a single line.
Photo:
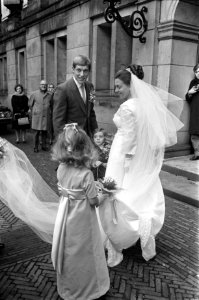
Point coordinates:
[(82, 60)]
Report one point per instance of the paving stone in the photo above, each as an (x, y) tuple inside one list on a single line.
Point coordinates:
[(26, 270)]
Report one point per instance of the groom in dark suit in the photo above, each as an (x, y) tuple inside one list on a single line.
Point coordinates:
[(73, 100)]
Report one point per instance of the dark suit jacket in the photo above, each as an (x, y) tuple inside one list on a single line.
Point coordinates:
[(68, 107), (194, 108)]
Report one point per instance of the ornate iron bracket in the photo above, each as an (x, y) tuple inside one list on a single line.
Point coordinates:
[(137, 24)]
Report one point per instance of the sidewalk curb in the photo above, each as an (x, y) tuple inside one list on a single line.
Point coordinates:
[(182, 198)]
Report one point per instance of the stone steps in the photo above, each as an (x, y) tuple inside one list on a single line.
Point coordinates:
[(180, 179)]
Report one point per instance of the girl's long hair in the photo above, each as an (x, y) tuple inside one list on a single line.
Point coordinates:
[(74, 147)]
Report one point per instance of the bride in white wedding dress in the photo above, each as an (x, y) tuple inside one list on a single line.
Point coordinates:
[(144, 128)]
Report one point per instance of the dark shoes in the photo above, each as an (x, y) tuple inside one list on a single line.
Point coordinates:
[(17, 141), (44, 148), (194, 157)]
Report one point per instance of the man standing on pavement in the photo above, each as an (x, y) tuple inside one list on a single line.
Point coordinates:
[(40, 104), (73, 99)]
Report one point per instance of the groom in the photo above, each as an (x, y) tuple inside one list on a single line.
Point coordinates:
[(73, 101)]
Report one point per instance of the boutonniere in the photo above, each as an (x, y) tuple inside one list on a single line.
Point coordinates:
[(92, 96)]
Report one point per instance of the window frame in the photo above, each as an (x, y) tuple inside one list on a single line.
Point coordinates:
[(3, 75)]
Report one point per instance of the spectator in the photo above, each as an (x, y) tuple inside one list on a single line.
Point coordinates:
[(2, 245), (19, 102), (103, 149), (192, 97), (41, 107), (51, 89)]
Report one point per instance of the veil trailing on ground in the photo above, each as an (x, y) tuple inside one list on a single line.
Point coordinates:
[(25, 192)]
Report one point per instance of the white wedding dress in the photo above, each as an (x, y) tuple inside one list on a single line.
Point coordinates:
[(138, 209), (146, 124)]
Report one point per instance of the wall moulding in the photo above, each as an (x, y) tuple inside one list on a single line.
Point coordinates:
[(178, 30)]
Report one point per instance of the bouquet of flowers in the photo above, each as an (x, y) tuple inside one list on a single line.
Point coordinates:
[(109, 185)]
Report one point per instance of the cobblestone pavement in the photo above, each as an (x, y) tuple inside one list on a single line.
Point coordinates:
[(26, 270)]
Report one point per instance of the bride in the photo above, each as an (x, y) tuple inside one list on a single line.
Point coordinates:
[(145, 127)]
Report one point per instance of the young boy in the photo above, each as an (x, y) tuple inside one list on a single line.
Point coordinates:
[(103, 148)]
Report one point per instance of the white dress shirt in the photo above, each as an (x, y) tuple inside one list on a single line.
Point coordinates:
[(82, 89)]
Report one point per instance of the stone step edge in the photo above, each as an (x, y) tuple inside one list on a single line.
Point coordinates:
[(180, 172), (181, 197), (172, 192)]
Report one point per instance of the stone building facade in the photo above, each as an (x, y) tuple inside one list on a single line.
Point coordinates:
[(39, 38)]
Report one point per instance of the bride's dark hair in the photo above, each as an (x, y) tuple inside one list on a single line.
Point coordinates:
[(137, 70), (125, 75)]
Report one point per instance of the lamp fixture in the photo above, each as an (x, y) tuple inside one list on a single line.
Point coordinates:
[(137, 24)]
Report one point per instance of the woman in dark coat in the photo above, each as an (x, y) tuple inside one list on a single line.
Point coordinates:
[(192, 97), (20, 108)]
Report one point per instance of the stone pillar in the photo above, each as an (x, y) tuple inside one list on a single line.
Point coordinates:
[(146, 53), (11, 70), (34, 55), (80, 29), (178, 44)]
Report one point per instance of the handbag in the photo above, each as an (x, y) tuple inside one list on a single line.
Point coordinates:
[(23, 121)]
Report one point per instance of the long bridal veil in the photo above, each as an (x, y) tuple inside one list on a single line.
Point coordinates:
[(158, 124), (25, 192)]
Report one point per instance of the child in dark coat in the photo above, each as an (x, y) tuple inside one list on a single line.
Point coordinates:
[(103, 148)]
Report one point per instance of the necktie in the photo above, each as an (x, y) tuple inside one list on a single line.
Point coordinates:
[(83, 92)]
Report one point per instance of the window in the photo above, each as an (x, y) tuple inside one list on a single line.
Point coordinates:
[(25, 3), (3, 75), (5, 5), (112, 50), (21, 67), (54, 58), (103, 49), (4, 11)]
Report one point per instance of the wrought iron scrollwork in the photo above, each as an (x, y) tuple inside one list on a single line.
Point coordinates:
[(137, 24)]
